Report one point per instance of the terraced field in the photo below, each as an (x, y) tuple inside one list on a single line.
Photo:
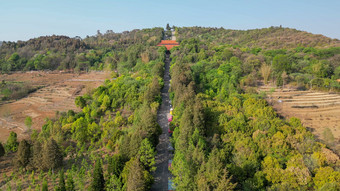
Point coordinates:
[(318, 111), (58, 94)]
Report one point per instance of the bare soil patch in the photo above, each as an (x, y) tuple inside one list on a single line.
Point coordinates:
[(318, 111), (57, 93)]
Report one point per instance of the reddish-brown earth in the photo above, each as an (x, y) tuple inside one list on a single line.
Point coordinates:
[(57, 94), (317, 111)]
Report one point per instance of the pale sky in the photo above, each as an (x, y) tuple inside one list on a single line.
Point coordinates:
[(25, 19)]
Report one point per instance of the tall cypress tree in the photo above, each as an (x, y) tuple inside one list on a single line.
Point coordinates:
[(70, 183), (52, 157), (98, 182), (135, 179), (44, 185), (23, 154), (36, 155), (147, 155), (61, 186), (116, 165)]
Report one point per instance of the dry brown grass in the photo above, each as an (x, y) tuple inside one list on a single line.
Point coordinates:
[(58, 94), (318, 111)]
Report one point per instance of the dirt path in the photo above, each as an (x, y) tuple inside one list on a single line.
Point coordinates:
[(162, 174)]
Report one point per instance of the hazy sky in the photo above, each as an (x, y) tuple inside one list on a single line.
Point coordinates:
[(25, 19)]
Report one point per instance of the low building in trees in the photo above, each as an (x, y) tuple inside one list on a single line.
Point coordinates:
[(169, 44)]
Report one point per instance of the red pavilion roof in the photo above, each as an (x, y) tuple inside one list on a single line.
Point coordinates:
[(168, 44)]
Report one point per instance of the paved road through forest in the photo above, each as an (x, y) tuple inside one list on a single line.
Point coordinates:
[(162, 173)]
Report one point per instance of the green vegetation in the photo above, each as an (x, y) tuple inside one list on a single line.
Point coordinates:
[(258, 39), (61, 186), (98, 182), (109, 51), (28, 123), (226, 136), (305, 65), (23, 154), (15, 90), (12, 143), (115, 129)]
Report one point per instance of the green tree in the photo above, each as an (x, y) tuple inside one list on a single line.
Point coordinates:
[(153, 91), (198, 117), (186, 129), (326, 175), (168, 27), (28, 122), (44, 185), (135, 179), (337, 72), (61, 186), (79, 130), (281, 63), (98, 182), (225, 183), (116, 165), (213, 175), (106, 103), (12, 142), (114, 183), (321, 69), (265, 72), (52, 157), (147, 155), (70, 183), (183, 171), (23, 154), (147, 125), (36, 155), (80, 102)]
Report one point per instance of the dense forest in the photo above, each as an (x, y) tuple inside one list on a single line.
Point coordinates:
[(306, 65), (266, 38), (116, 132), (99, 52), (225, 135)]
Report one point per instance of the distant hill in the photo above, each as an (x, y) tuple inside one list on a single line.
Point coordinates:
[(54, 43), (62, 52), (267, 38)]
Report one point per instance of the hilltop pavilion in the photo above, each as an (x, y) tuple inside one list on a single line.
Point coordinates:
[(169, 44)]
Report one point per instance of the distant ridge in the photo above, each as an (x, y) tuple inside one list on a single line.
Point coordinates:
[(267, 38)]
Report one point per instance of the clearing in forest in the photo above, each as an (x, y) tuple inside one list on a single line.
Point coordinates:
[(318, 111), (57, 92)]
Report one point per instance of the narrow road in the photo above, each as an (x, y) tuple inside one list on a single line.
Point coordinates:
[(162, 173)]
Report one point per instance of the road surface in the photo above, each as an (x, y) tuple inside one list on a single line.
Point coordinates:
[(162, 173)]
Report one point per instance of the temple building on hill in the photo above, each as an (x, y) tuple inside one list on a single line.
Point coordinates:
[(168, 44)]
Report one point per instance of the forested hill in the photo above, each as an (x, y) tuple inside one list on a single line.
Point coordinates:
[(62, 52), (266, 38), (120, 40), (104, 50)]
